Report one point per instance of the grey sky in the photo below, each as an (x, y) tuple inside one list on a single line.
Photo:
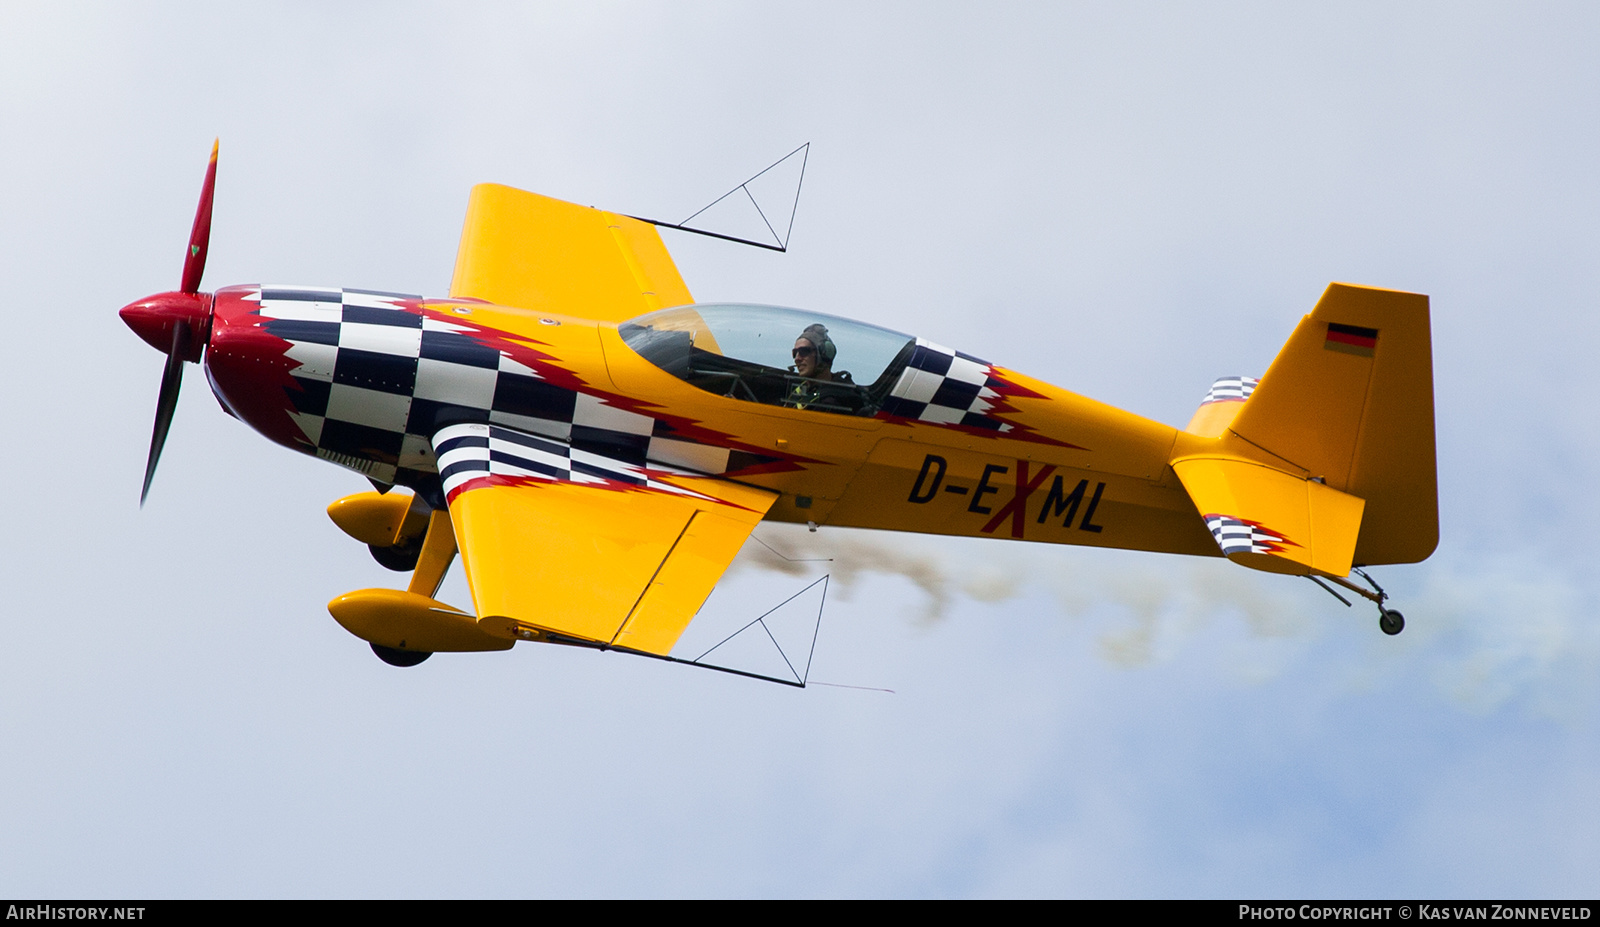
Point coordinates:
[(1124, 200)]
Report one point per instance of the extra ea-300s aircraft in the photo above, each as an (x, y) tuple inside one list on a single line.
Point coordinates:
[(597, 446)]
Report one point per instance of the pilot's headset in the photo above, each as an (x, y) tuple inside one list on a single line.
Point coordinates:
[(817, 334)]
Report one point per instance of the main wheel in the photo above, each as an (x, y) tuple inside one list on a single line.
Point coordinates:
[(395, 657), (1391, 622), (399, 559)]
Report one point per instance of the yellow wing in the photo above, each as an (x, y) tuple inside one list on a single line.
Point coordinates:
[(534, 252), (558, 539)]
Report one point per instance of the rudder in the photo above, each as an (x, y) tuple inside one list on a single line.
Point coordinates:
[(1350, 400)]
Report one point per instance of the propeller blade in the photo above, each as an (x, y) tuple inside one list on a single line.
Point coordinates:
[(194, 260), (171, 382)]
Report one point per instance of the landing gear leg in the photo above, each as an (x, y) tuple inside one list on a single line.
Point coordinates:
[(1390, 621), (432, 556), (435, 554)]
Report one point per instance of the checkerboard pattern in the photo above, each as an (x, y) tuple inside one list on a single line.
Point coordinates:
[(469, 453), (1237, 536), (1230, 389), (945, 387), (377, 380)]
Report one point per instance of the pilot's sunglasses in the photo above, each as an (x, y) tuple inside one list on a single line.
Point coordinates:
[(803, 352)]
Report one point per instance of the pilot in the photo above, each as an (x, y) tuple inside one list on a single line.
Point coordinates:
[(814, 352), (813, 356)]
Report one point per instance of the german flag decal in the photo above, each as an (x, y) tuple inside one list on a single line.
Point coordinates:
[(1351, 339)]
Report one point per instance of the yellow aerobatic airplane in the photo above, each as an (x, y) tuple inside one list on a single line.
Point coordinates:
[(597, 446)]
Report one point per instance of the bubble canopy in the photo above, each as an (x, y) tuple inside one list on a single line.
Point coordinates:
[(744, 351)]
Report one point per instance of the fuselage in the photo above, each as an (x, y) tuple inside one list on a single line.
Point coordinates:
[(365, 379), (596, 446)]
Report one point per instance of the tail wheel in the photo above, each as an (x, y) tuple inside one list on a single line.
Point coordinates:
[(395, 657)]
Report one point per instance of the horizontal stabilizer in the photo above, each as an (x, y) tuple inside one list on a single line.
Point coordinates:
[(1221, 406), (1270, 520)]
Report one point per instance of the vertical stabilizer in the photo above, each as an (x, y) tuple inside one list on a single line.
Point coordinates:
[(1350, 400)]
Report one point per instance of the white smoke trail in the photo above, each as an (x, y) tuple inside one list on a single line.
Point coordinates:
[(1170, 597), (1509, 633)]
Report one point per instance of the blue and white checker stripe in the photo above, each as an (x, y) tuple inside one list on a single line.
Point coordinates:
[(1230, 389), (377, 381), (945, 387), (357, 351), (472, 451), (1235, 536)]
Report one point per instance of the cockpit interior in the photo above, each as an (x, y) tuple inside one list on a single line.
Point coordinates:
[(752, 353)]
